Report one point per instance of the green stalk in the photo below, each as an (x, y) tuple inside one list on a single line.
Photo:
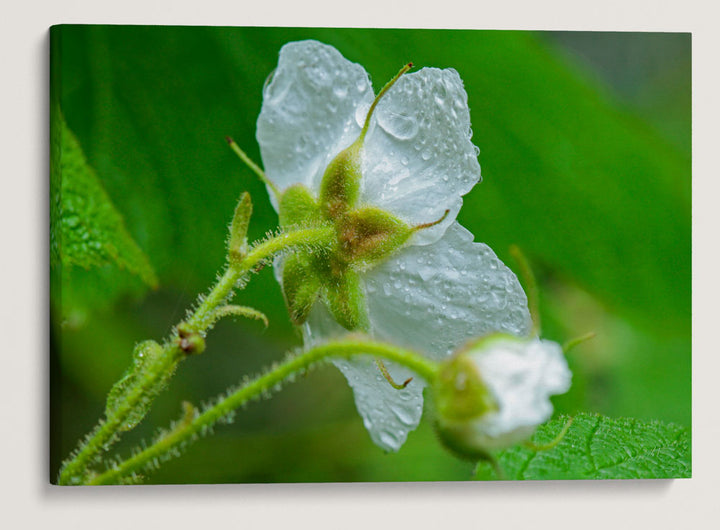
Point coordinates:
[(185, 431), (107, 432)]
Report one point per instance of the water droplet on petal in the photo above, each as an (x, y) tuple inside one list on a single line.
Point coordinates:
[(440, 94), (316, 75), (361, 112), (402, 415), (398, 125), (389, 439)]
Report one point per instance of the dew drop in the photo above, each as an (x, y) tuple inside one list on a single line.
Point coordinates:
[(316, 75), (398, 125), (389, 439), (340, 91), (278, 92), (440, 94), (402, 415), (361, 112)]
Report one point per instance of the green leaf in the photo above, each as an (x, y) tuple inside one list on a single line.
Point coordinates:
[(598, 447), (92, 232)]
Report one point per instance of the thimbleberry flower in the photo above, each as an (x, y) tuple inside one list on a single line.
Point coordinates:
[(495, 391), (388, 172)]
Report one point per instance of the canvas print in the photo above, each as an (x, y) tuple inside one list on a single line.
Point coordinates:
[(368, 255)]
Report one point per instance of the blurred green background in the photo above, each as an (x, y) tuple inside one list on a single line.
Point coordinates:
[(585, 150)]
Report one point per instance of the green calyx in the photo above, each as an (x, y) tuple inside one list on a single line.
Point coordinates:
[(460, 393), (368, 235), (298, 208), (461, 398), (365, 236)]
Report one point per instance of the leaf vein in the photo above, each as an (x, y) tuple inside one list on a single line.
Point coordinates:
[(588, 448), (647, 452)]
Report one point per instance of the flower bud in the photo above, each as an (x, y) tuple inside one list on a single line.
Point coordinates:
[(237, 244), (495, 392), (189, 340)]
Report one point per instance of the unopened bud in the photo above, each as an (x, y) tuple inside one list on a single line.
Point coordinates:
[(494, 393), (189, 341), (237, 245)]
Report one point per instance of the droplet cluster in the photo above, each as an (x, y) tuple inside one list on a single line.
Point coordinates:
[(421, 149), (309, 112), (456, 288)]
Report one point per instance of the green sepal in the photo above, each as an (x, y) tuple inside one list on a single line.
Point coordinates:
[(460, 393), (298, 207), (237, 244), (340, 186), (301, 286), (461, 398), (346, 300), (370, 234)]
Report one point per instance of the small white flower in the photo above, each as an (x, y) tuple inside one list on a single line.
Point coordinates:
[(496, 391), (417, 160)]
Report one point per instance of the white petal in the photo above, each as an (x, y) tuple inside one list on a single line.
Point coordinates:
[(309, 112), (435, 298), (430, 298), (418, 159), (522, 376), (389, 414)]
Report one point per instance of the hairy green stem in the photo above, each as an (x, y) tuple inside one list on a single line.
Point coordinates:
[(184, 432), (107, 432)]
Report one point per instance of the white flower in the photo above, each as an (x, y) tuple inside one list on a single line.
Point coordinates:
[(440, 288), (496, 391)]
